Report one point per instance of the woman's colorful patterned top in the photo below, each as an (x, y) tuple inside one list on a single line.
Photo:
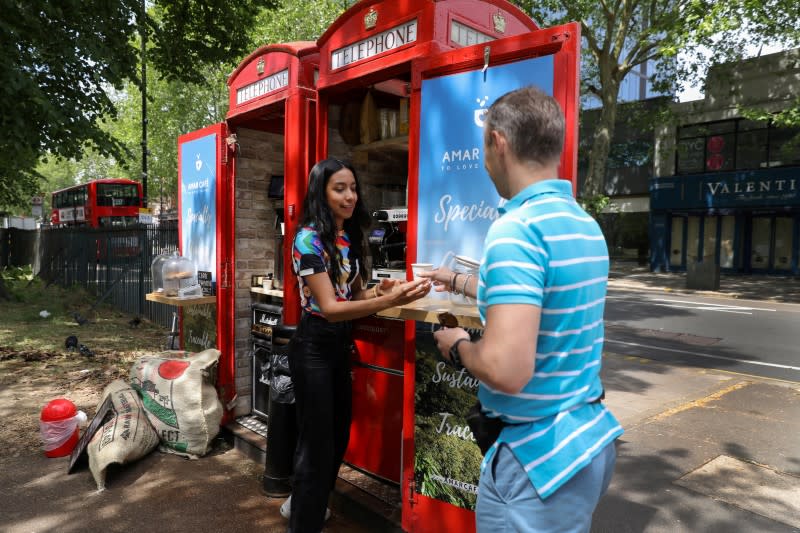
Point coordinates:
[(309, 257)]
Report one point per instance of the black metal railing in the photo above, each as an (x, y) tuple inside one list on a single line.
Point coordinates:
[(113, 264)]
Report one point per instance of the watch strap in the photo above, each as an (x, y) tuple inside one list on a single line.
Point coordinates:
[(455, 357)]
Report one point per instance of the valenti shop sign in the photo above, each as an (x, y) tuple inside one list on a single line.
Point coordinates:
[(457, 204)]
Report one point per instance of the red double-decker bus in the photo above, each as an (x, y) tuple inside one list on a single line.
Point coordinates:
[(100, 203)]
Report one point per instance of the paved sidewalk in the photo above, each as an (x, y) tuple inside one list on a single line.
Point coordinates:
[(629, 275), (703, 451)]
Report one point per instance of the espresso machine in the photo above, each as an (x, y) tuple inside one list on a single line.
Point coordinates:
[(387, 243)]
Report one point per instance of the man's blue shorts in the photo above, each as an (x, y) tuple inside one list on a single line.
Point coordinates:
[(508, 502)]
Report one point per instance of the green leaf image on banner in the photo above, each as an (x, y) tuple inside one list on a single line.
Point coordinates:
[(447, 460)]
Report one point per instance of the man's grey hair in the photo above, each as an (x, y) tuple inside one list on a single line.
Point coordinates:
[(531, 121)]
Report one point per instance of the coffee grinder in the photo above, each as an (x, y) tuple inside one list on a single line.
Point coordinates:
[(387, 243)]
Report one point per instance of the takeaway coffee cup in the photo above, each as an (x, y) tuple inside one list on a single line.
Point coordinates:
[(416, 268)]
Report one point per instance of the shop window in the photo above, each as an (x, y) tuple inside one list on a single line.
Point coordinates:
[(759, 243), (691, 155), (784, 147), (628, 154), (727, 242), (676, 242), (720, 152), (784, 227), (739, 144), (693, 239), (751, 149), (710, 239)]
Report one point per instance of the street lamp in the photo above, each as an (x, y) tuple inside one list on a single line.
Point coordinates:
[(143, 32)]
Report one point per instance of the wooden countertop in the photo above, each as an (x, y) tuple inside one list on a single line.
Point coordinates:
[(428, 309), (180, 302), (276, 293)]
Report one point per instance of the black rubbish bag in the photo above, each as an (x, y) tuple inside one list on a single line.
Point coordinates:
[(281, 388)]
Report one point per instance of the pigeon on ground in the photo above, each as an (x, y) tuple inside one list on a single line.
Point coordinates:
[(134, 323), (71, 343), (79, 319), (85, 351)]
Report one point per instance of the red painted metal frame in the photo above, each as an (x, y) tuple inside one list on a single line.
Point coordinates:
[(300, 58), (225, 260), (563, 43), (297, 103), (299, 151), (433, 23)]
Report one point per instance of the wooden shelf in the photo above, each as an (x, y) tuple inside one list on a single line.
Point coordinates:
[(180, 302), (399, 143), (275, 293), (428, 309)]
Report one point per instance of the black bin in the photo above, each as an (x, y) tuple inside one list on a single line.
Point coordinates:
[(264, 318), (281, 422), (262, 354)]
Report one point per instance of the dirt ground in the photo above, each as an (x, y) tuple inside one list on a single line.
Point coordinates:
[(36, 367)]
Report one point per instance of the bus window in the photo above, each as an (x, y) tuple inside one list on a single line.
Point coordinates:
[(117, 195)]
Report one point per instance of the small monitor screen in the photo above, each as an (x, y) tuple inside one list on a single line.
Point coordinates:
[(275, 187)]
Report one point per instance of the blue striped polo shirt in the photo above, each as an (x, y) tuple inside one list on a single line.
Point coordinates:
[(545, 250)]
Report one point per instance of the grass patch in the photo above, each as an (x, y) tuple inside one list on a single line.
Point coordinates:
[(39, 318)]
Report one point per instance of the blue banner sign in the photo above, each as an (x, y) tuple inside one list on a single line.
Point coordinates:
[(198, 190), (457, 204), (457, 200)]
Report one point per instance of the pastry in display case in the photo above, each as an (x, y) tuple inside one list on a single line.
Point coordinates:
[(156, 273), (179, 275)]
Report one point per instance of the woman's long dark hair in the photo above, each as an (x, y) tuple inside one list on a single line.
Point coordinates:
[(317, 213)]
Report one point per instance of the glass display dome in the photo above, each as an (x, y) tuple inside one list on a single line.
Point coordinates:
[(178, 273), (155, 270)]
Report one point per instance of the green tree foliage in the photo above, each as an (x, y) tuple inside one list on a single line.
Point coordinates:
[(775, 22), (180, 105), (174, 108), (299, 20), (63, 61), (58, 59), (618, 36), (192, 33)]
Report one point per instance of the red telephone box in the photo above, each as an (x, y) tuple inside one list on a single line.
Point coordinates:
[(241, 186), (410, 64), (273, 105)]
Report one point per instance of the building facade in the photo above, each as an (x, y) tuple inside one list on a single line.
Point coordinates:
[(728, 188)]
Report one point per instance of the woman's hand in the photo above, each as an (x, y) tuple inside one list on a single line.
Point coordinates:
[(441, 278), (409, 291), (386, 285)]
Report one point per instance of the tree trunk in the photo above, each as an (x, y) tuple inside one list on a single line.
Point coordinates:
[(594, 185)]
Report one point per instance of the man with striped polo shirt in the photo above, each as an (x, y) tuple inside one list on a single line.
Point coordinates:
[(541, 291)]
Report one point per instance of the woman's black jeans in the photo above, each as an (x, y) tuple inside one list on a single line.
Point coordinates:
[(319, 359)]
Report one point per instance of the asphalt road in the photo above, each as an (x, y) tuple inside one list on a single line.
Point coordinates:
[(745, 336)]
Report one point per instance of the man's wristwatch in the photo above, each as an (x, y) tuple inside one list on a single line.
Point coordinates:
[(455, 358)]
